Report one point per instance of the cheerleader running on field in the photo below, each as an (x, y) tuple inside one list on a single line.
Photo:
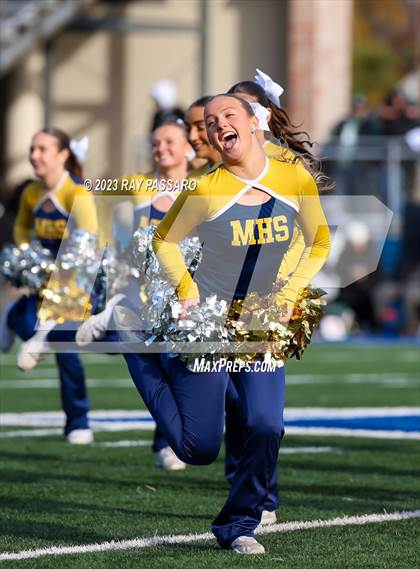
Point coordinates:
[(244, 212), (44, 212)]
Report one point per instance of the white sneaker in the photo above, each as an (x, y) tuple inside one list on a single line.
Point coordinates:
[(167, 459), (80, 437), (7, 336), (95, 327), (36, 348), (268, 518), (247, 545)]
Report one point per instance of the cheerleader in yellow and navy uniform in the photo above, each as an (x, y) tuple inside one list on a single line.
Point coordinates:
[(234, 433), (275, 122), (244, 212), (151, 198), (290, 146), (44, 213)]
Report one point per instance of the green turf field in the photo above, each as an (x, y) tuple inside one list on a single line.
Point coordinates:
[(56, 494)]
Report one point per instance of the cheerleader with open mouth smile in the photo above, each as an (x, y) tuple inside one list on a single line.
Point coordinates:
[(244, 212)]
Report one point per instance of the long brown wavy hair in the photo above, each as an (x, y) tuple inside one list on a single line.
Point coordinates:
[(284, 130)]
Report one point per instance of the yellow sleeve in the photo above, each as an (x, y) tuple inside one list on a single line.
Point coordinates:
[(294, 253), (83, 210), (22, 230), (316, 234), (188, 211)]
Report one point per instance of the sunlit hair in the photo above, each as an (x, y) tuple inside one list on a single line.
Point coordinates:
[(282, 128), (279, 123), (245, 105), (72, 165)]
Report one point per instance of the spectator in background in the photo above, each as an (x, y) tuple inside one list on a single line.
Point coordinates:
[(350, 171), (355, 263), (397, 116), (400, 117), (165, 95), (399, 294), (360, 122), (408, 274)]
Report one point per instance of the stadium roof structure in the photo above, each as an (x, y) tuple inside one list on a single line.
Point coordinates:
[(23, 24)]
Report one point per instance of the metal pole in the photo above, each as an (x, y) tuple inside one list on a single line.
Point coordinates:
[(203, 49), (395, 181), (48, 71)]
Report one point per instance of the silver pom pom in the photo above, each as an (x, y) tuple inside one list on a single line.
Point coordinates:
[(81, 255), (156, 294), (248, 330), (117, 267), (146, 259), (26, 265)]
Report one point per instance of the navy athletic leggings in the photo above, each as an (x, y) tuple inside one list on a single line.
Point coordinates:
[(190, 410), (23, 320)]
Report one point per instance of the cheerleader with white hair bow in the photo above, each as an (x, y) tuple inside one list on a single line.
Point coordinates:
[(44, 213), (264, 96)]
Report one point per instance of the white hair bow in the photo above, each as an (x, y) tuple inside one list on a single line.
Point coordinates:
[(262, 115), (272, 89), (80, 148), (165, 94)]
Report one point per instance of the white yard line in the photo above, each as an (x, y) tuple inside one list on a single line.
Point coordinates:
[(290, 431), (309, 450), (358, 433), (352, 378), (120, 382), (35, 433), (364, 354), (142, 543), (91, 359), (287, 450), (348, 412), (44, 380), (140, 420), (28, 433), (38, 372), (56, 418), (124, 444)]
